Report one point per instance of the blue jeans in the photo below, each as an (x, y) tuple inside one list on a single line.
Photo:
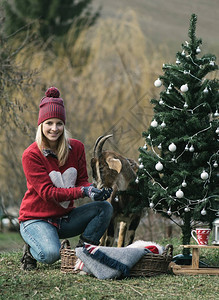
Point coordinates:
[(91, 219)]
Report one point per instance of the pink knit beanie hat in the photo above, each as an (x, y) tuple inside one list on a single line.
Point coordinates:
[(51, 106)]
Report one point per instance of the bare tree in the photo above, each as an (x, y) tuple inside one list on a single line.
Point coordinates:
[(15, 83)]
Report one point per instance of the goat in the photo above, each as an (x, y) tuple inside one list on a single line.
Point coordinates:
[(110, 169)]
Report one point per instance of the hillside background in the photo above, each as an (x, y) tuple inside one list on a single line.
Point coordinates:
[(165, 22)]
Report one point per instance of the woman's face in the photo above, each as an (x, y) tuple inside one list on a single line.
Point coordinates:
[(52, 130)]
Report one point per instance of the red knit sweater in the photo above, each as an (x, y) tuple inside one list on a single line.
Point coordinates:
[(51, 189)]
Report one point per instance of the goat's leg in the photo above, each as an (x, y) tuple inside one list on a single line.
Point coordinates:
[(132, 228), (111, 233), (103, 239), (122, 233)]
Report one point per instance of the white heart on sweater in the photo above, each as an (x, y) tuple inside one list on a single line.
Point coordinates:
[(66, 180)]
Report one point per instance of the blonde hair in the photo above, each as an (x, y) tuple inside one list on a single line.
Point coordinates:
[(63, 144)]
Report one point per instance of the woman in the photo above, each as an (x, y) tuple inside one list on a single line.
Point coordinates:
[(56, 174)]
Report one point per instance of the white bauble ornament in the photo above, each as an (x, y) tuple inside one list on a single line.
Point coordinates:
[(159, 166), (215, 165), (183, 52), (184, 184), (191, 149), (186, 147), (158, 83), (159, 146), (151, 204), (161, 102), (154, 123), (216, 114), (163, 124), (137, 180), (116, 199), (211, 63), (204, 175), (172, 147), (179, 194), (203, 212), (140, 159), (217, 130), (185, 105), (184, 88), (169, 212), (177, 61), (145, 146), (141, 166), (198, 50), (205, 90), (186, 209)]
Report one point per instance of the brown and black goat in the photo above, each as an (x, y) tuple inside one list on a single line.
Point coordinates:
[(110, 169)]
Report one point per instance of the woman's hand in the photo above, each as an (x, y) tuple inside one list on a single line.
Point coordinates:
[(96, 194)]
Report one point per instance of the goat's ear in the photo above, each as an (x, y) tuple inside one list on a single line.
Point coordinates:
[(114, 163)]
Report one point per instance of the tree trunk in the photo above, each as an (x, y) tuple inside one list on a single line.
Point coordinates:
[(186, 232)]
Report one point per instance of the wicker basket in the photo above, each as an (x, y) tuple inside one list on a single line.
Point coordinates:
[(68, 257), (148, 265), (153, 264)]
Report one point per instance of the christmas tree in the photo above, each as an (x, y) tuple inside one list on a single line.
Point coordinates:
[(179, 162)]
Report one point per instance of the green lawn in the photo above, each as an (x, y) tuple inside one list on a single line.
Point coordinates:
[(47, 282)]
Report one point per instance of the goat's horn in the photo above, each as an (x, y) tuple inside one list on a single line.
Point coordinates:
[(99, 144)]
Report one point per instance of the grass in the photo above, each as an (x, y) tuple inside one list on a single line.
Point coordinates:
[(10, 241), (47, 282)]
